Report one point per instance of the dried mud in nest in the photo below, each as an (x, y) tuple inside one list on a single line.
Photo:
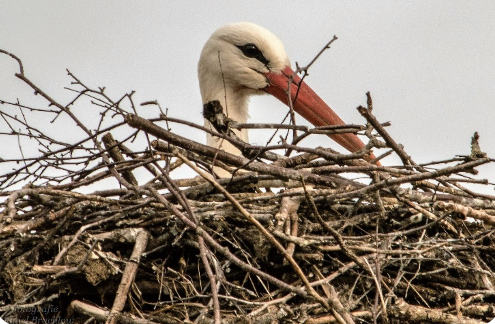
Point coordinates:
[(317, 237)]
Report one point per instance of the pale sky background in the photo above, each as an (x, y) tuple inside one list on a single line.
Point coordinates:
[(430, 65)]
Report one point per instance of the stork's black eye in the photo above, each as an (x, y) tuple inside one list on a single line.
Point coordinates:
[(250, 50)]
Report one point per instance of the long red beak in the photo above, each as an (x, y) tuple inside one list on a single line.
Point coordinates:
[(309, 105)]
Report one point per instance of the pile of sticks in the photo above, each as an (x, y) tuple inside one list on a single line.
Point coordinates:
[(107, 228)]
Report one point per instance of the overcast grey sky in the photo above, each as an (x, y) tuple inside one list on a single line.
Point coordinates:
[(430, 65)]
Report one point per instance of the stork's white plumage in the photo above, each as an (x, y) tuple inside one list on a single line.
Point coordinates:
[(244, 59)]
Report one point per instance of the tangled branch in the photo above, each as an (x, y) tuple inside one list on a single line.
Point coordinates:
[(107, 227)]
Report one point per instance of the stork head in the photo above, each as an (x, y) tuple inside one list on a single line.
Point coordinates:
[(242, 59), (234, 63)]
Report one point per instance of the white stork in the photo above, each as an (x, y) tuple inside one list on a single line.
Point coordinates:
[(244, 59)]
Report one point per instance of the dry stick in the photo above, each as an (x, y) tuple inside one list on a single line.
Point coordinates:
[(378, 279), (362, 315), (446, 225), (418, 314), (485, 274), (348, 128), (288, 215), (101, 315), (265, 305), (466, 211), (260, 227), (213, 283), (332, 295), (327, 46), (379, 291), (293, 161), (472, 193), (128, 276), (224, 251), (21, 68), (113, 150), (294, 226), (406, 159)]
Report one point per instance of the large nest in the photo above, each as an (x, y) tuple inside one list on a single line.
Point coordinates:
[(107, 227)]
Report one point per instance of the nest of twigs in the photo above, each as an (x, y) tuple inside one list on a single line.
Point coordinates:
[(107, 229)]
